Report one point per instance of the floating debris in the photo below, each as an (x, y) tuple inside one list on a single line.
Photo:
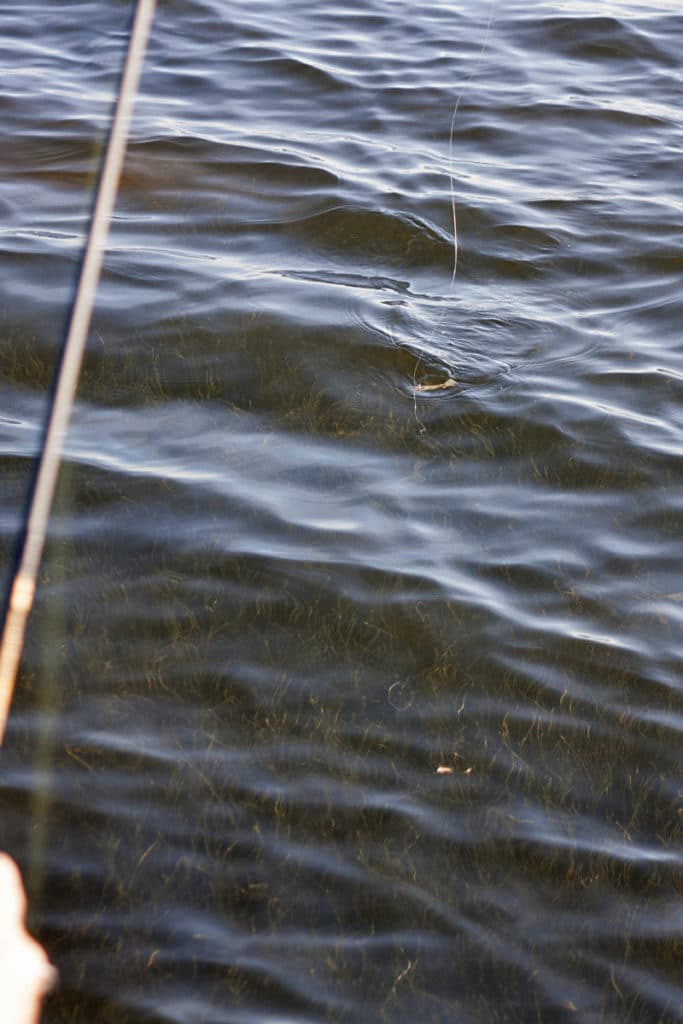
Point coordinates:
[(444, 386)]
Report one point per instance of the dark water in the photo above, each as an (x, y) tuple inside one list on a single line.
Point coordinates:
[(284, 585)]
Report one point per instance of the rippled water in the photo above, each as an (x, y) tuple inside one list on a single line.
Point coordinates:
[(347, 699)]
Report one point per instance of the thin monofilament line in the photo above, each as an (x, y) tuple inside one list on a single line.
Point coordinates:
[(23, 582), (452, 183), (454, 211)]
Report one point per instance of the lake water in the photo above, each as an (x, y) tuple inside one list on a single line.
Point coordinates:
[(348, 696)]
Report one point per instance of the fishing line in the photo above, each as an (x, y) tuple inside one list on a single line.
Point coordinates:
[(451, 186), (451, 176), (22, 582)]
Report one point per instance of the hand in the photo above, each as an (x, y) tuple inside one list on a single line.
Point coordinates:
[(26, 974)]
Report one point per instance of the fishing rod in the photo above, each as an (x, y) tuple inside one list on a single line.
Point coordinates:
[(22, 582)]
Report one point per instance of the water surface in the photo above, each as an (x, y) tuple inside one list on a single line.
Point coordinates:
[(347, 697)]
